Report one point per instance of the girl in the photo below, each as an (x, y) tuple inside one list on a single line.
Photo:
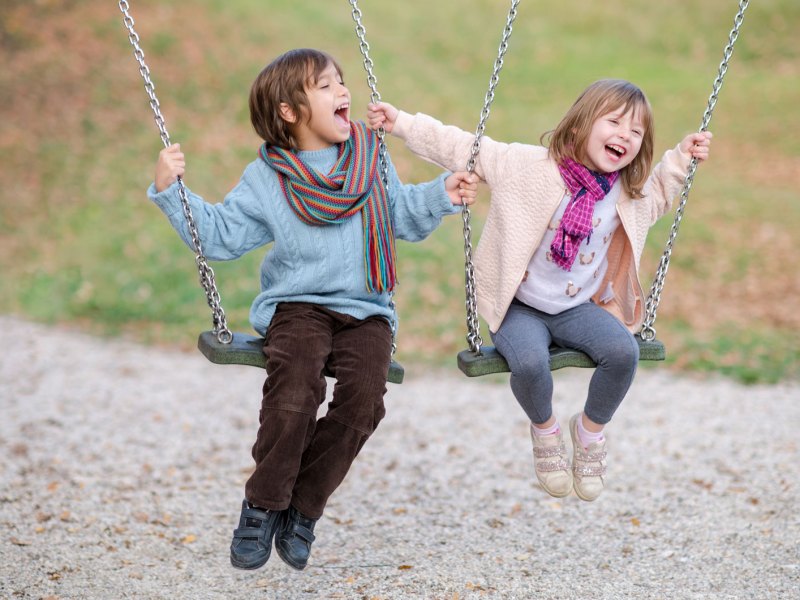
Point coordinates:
[(558, 258), (315, 193)]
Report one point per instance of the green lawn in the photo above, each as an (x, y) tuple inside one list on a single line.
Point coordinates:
[(80, 244)]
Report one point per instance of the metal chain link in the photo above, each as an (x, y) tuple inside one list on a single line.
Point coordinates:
[(653, 300), (473, 324), (205, 272), (383, 163)]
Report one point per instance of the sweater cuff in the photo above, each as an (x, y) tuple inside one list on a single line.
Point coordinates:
[(168, 200), (437, 199), (677, 160), (402, 126)]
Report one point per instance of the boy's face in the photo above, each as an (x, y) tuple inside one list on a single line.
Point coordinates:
[(614, 141), (329, 105)]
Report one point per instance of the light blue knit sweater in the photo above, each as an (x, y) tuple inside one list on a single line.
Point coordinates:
[(306, 263)]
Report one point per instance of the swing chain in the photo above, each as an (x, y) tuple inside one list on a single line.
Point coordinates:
[(473, 324), (375, 97), (372, 82), (648, 332), (205, 272)]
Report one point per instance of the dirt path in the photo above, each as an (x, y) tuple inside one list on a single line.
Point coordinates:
[(123, 468)]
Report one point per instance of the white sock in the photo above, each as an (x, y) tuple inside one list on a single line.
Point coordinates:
[(552, 430), (588, 437)]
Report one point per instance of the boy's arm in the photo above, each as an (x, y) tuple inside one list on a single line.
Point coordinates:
[(226, 230), (417, 209)]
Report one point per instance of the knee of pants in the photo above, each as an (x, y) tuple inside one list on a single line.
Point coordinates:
[(358, 396), (622, 357), (360, 413), (533, 368)]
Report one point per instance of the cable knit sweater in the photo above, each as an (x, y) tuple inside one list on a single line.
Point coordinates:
[(318, 264), (526, 189)]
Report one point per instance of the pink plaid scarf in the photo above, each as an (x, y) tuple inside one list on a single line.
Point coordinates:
[(586, 187)]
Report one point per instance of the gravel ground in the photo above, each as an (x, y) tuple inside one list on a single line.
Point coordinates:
[(123, 468)]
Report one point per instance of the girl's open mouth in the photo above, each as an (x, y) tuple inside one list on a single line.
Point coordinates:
[(615, 151)]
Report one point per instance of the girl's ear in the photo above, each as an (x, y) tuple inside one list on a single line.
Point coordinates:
[(287, 114)]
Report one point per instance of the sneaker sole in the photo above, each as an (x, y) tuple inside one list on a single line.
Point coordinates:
[(584, 498), (249, 565), (554, 495), (289, 561)]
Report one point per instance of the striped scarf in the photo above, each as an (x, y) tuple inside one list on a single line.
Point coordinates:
[(353, 185), (586, 188)]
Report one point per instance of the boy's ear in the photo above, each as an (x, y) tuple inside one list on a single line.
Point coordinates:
[(287, 114)]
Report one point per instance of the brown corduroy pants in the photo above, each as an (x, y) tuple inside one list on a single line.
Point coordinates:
[(300, 460)]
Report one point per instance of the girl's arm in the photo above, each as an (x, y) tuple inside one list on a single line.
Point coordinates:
[(668, 176), (444, 145)]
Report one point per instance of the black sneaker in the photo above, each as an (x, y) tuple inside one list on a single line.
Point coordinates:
[(294, 538), (252, 540)]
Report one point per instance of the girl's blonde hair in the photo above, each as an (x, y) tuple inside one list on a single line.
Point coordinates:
[(568, 139), (285, 79)]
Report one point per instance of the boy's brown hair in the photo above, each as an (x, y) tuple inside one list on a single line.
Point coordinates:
[(285, 80), (568, 139)]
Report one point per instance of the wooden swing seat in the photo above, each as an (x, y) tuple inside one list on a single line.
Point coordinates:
[(245, 349), (491, 361)]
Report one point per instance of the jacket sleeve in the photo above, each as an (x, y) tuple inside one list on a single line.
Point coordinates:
[(665, 182), (227, 230), (451, 147), (417, 209)]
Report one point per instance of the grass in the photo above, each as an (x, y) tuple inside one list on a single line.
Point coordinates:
[(81, 245)]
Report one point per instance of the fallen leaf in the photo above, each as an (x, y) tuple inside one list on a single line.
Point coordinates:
[(18, 542)]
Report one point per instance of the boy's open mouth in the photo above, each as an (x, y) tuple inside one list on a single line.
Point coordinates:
[(342, 114)]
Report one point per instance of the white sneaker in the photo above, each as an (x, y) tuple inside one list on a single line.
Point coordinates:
[(588, 464), (552, 464)]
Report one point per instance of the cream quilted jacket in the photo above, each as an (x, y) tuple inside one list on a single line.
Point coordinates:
[(526, 189)]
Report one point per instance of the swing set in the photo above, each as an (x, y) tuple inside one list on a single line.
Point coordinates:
[(222, 346)]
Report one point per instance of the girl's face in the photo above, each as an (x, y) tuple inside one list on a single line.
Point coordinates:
[(328, 119), (614, 141)]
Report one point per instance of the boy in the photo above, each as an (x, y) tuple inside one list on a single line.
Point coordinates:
[(316, 193)]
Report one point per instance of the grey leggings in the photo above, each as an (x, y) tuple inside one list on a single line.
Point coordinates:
[(524, 338)]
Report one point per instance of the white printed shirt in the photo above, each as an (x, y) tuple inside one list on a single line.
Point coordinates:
[(549, 288)]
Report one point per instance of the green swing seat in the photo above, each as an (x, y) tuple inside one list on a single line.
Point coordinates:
[(491, 361), (245, 349)]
